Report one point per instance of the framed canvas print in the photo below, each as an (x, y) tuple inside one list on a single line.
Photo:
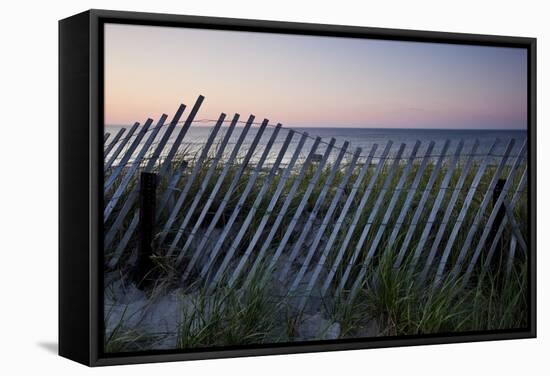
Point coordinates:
[(237, 187)]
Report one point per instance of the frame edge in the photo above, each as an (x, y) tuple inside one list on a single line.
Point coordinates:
[(74, 165)]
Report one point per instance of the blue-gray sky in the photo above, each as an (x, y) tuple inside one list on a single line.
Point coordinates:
[(312, 80)]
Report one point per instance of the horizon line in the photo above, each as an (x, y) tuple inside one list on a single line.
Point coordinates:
[(203, 125)]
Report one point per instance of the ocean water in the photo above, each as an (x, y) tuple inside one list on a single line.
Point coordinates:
[(363, 138)]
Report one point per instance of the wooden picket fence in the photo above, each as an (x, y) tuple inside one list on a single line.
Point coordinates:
[(265, 201)]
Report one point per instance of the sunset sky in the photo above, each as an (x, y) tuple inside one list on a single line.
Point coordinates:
[(311, 80)]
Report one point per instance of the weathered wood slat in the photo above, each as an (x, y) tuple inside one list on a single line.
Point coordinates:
[(515, 229), (311, 185), (313, 215), (214, 251), (120, 147), (463, 211), (357, 216), (370, 220), (121, 247), (392, 203), (257, 202), (269, 211), (339, 221), (126, 157), (106, 136), (129, 173), (171, 187), (338, 224), (117, 223), (490, 221), (206, 236), (411, 192), (480, 211), (325, 223), (164, 168), (512, 253), (448, 211), (213, 193), (126, 173), (512, 219), (114, 142), (164, 140), (164, 171), (198, 165), (132, 196), (204, 183), (517, 195), (420, 207), (437, 203), (496, 241), (465, 205)]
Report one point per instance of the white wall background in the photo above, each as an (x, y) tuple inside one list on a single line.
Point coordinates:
[(28, 191)]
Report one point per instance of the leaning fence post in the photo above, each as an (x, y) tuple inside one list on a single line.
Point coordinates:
[(496, 194), (147, 210)]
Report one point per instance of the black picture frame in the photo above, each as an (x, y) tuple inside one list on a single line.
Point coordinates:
[(80, 199)]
